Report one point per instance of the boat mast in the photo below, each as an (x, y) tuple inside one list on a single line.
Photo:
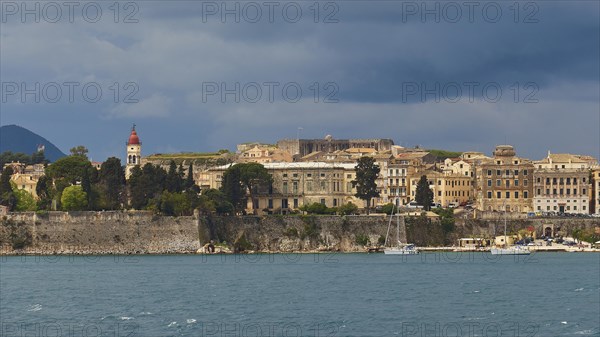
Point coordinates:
[(389, 225)]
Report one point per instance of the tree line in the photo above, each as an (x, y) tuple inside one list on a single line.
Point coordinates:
[(72, 183)]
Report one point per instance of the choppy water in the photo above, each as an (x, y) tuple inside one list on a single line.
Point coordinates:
[(441, 294)]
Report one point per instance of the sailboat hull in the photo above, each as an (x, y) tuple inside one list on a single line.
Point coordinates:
[(510, 251), (400, 251)]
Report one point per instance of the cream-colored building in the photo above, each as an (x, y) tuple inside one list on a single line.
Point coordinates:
[(562, 184), (296, 184), (595, 200), (447, 188), (27, 182), (264, 154), (504, 182), (457, 166), (25, 177)]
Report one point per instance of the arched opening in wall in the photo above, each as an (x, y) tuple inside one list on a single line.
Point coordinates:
[(134, 159), (129, 159), (548, 232)]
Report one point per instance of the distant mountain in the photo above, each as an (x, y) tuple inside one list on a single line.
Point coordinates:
[(17, 139)]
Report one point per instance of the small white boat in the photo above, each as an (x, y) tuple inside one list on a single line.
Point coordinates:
[(511, 250), (400, 248), (506, 249)]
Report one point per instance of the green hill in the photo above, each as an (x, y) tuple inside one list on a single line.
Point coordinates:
[(18, 139)]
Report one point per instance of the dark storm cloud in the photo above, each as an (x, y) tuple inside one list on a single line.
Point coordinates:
[(372, 50)]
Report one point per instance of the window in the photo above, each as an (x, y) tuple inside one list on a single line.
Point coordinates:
[(270, 205), (295, 175), (539, 191), (309, 175), (295, 187), (583, 191), (295, 203), (547, 181), (285, 175), (322, 201), (507, 172), (516, 182), (516, 194), (489, 172), (498, 182), (524, 172), (507, 183), (525, 182), (525, 194), (516, 172), (568, 191), (539, 180), (568, 181), (284, 203), (309, 186), (285, 187), (507, 195), (498, 172), (498, 195), (489, 183)]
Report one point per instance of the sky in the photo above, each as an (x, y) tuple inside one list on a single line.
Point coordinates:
[(202, 75)]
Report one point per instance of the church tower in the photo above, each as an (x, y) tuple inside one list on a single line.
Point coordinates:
[(134, 152)]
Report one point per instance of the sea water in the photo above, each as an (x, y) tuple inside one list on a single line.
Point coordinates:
[(432, 294)]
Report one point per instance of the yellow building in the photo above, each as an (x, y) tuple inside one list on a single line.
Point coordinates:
[(296, 184), (448, 189), (505, 182)]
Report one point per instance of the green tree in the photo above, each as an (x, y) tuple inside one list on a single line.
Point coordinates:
[(80, 151), (174, 179), (213, 200), (388, 208), (189, 179), (244, 180), (232, 187), (38, 157), (146, 184), (73, 198), (317, 208), (253, 177), (25, 201), (424, 195), (71, 168), (43, 189), (348, 209), (112, 183), (366, 175), (7, 197)]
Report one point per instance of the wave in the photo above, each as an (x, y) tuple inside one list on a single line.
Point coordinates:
[(35, 307)]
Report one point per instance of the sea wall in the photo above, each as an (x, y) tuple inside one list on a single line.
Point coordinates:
[(140, 232), (97, 233)]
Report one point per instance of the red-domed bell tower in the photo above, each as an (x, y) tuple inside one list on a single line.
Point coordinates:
[(134, 152)]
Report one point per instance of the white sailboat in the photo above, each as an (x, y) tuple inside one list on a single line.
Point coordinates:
[(506, 249), (400, 248)]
